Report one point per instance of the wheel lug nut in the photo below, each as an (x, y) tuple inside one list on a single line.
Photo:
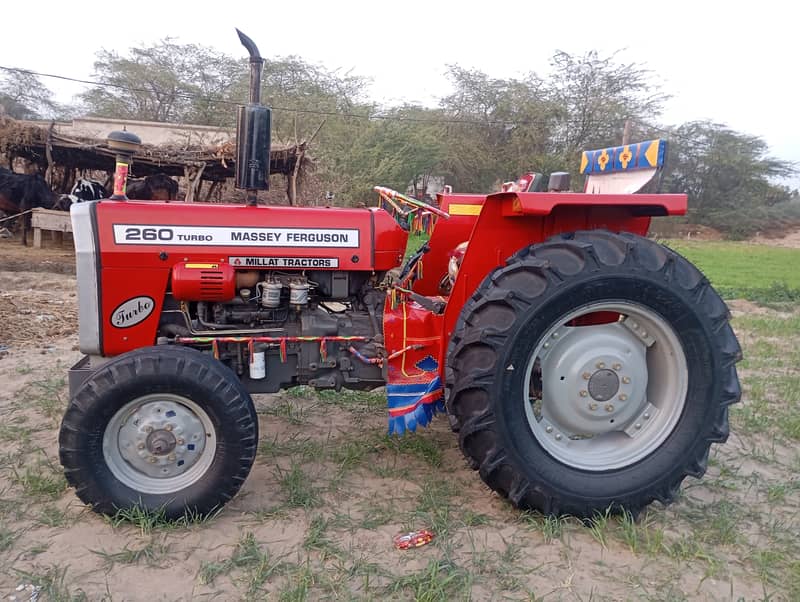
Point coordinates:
[(601, 365), (626, 380), (140, 446), (584, 393), (623, 397), (617, 367), (646, 416), (609, 407), (593, 406), (171, 457), (168, 427), (180, 441), (554, 335), (148, 428), (546, 345), (549, 429), (587, 375), (638, 425), (152, 459), (558, 436)]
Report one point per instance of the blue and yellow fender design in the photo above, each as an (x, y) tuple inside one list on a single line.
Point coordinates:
[(615, 159)]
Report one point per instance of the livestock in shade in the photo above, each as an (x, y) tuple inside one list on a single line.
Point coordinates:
[(83, 190), (159, 187), (21, 192)]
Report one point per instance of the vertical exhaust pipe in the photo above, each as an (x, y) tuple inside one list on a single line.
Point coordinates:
[(253, 132)]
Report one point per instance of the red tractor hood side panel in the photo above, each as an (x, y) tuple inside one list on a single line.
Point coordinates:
[(136, 233), (140, 242)]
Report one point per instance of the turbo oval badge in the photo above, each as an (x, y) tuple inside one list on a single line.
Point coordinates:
[(132, 311)]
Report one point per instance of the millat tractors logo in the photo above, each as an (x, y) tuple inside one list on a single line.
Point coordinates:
[(132, 311)]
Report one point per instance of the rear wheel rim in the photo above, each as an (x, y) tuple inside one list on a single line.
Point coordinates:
[(605, 396), (159, 443)]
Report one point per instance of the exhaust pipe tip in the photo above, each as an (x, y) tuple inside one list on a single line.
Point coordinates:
[(250, 45)]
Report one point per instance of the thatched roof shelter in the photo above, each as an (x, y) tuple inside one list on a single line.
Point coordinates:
[(41, 143)]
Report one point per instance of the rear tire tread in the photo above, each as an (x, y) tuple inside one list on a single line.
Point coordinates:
[(596, 250)]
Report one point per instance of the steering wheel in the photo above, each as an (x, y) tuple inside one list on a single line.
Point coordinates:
[(395, 199)]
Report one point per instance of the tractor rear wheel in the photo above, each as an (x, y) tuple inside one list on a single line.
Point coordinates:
[(592, 373), (166, 428)]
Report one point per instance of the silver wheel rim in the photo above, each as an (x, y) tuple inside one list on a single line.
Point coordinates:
[(602, 397), (159, 443)]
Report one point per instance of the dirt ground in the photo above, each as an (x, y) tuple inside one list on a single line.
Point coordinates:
[(329, 490)]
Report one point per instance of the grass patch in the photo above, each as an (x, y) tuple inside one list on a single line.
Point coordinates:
[(148, 520), (46, 396), (298, 488), (256, 564), (51, 584), (40, 480), (152, 554), (7, 538), (738, 270), (441, 581)]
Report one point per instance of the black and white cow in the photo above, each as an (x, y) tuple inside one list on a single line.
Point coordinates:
[(83, 190)]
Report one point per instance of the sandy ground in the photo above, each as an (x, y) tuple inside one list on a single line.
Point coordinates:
[(328, 533)]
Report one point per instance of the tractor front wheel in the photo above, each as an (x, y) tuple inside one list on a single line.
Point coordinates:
[(164, 428), (592, 373)]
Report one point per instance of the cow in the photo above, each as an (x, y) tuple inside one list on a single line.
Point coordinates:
[(22, 192), (83, 190), (89, 190), (159, 187)]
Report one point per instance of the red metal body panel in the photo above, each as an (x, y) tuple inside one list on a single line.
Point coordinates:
[(544, 203), (499, 233), (141, 241), (119, 285), (447, 234), (371, 224)]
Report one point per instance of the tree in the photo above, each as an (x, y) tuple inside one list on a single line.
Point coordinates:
[(495, 128), (166, 82), (403, 146), (729, 177), (24, 96), (593, 96)]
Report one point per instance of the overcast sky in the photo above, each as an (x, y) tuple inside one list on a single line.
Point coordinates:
[(732, 62)]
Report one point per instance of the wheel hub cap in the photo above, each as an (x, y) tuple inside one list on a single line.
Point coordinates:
[(160, 442), (603, 385)]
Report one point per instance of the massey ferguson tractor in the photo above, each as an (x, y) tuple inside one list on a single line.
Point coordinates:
[(582, 366)]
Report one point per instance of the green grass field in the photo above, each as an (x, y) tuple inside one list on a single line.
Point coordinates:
[(741, 270)]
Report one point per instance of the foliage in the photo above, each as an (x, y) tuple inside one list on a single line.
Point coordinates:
[(164, 82), (729, 178), (24, 96)]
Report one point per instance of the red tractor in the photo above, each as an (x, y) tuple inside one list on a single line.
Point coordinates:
[(582, 366)]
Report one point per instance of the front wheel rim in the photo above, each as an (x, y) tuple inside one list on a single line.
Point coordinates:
[(605, 396), (159, 443)]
